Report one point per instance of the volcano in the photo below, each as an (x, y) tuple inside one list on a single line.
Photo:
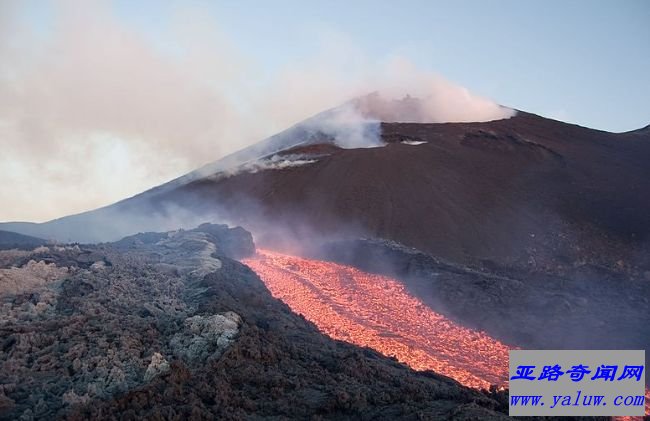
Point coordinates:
[(522, 230), (523, 216), (525, 191)]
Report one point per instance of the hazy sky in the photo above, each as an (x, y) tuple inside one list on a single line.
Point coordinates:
[(101, 100)]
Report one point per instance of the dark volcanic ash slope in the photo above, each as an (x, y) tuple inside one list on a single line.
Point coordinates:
[(168, 326), (526, 191), (584, 309)]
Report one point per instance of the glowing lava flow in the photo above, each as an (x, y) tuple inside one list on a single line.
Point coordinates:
[(377, 311)]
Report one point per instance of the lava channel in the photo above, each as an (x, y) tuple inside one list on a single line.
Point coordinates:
[(378, 312)]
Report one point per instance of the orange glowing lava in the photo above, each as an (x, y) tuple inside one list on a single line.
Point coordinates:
[(377, 311)]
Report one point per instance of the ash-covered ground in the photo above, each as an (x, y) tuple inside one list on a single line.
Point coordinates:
[(170, 326)]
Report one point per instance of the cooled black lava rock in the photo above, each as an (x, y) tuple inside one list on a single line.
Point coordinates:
[(136, 340)]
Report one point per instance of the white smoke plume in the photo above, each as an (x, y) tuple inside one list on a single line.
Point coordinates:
[(274, 162), (92, 110), (348, 126)]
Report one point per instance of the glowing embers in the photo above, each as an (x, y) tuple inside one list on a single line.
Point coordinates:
[(377, 311)]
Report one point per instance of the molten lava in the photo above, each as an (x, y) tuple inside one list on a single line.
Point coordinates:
[(377, 311)]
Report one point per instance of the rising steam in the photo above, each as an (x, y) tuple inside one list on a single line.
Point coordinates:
[(95, 106)]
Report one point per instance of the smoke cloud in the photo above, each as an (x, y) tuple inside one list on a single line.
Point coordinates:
[(92, 110)]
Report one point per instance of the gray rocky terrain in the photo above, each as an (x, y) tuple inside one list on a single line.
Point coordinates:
[(170, 326)]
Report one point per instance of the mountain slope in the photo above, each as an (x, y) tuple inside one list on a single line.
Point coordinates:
[(9, 240), (524, 191)]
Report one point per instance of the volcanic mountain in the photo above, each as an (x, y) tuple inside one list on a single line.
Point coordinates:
[(526, 191)]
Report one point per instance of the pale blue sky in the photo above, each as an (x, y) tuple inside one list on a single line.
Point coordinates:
[(583, 61), (586, 62)]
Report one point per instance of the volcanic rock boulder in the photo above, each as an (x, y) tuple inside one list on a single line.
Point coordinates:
[(205, 338), (158, 366)]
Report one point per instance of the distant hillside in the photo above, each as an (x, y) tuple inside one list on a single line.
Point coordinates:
[(11, 240)]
